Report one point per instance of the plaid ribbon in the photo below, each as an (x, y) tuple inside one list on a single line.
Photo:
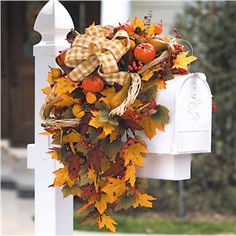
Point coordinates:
[(93, 49)]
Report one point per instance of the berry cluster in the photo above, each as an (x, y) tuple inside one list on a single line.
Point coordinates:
[(178, 47), (179, 71), (135, 66), (87, 145), (132, 115)]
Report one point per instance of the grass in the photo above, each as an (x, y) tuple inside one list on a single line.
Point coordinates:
[(142, 224)]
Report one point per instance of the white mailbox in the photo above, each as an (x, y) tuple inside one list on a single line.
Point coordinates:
[(189, 100)]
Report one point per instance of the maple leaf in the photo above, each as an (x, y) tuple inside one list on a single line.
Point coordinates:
[(114, 188), (183, 60), (161, 84), (148, 91), (64, 85), (71, 138), (137, 22), (92, 175), (46, 90), (62, 177), (100, 121), (150, 30), (54, 152), (149, 126), (94, 158), (66, 101), (90, 202), (143, 199), (130, 174), (107, 221), (49, 78), (133, 154), (161, 115), (101, 204), (73, 166), (107, 93), (77, 111)]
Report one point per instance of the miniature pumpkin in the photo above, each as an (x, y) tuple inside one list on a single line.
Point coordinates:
[(158, 28), (145, 52), (93, 84)]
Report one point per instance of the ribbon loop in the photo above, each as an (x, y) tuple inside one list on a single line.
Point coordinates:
[(93, 49)]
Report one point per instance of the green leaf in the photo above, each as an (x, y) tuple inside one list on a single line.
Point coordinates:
[(111, 149), (67, 114), (167, 74), (124, 202), (161, 115), (71, 191), (148, 91)]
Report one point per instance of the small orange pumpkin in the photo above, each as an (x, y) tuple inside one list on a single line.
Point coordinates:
[(145, 52), (93, 84), (158, 28)]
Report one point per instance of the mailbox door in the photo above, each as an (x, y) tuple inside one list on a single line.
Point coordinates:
[(193, 116)]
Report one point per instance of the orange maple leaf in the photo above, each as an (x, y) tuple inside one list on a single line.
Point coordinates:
[(133, 154), (62, 177), (114, 188), (130, 174), (143, 199), (150, 125), (107, 221), (92, 175)]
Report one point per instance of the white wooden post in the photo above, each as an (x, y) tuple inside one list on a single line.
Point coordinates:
[(115, 11), (53, 214)]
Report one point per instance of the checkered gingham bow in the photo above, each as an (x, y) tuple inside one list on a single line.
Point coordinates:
[(93, 49)]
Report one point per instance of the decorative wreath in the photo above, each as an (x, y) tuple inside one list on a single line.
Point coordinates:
[(102, 94)]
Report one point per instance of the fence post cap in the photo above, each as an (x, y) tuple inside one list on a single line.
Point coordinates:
[(53, 21)]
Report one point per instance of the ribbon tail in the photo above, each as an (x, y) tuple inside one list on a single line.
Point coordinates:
[(132, 95), (84, 69)]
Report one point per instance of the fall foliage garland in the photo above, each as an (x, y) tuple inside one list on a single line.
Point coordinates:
[(100, 150)]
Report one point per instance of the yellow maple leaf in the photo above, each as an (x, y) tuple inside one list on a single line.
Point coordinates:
[(133, 154), (66, 101), (114, 188), (78, 111), (137, 22), (107, 221), (101, 204), (64, 85), (143, 199), (92, 175), (107, 127), (46, 90), (183, 60), (62, 177), (150, 30), (130, 174), (150, 125), (71, 138), (161, 84)]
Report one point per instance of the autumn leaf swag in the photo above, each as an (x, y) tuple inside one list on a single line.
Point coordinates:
[(100, 105)]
